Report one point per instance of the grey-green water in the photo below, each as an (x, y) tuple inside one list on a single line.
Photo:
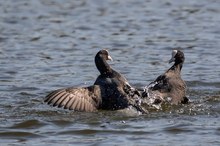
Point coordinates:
[(50, 44)]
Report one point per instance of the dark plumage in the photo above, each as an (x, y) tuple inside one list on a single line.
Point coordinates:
[(169, 86), (111, 91)]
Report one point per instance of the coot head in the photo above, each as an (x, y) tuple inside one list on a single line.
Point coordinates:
[(177, 56), (104, 54), (100, 60)]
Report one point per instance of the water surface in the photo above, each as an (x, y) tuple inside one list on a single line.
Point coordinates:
[(50, 44)]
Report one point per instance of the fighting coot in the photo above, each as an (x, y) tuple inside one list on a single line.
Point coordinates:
[(169, 86), (111, 91)]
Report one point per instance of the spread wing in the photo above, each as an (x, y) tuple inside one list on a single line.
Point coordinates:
[(161, 84), (79, 99)]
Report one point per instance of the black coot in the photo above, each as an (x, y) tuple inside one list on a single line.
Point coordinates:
[(111, 91), (169, 86)]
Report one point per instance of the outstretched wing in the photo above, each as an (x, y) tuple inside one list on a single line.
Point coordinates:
[(161, 84), (79, 99)]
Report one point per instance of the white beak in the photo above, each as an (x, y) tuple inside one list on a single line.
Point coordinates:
[(109, 58), (174, 52)]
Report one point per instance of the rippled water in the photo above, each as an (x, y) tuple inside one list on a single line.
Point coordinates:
[(49, 44)]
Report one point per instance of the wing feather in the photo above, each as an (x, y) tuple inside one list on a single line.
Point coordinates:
[(59, 101), (79, 99), (52, 95), (68, 102), (57, 97), (74, 104)]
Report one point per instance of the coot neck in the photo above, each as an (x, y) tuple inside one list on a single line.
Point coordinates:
[(103, 67), (177, 66)]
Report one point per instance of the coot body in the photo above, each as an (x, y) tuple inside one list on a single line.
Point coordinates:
[(111, 91)]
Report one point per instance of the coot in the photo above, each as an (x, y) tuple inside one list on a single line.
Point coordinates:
[(169, 86), (111, 91)]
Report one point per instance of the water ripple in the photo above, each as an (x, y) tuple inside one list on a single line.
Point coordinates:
[(47, 45)]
